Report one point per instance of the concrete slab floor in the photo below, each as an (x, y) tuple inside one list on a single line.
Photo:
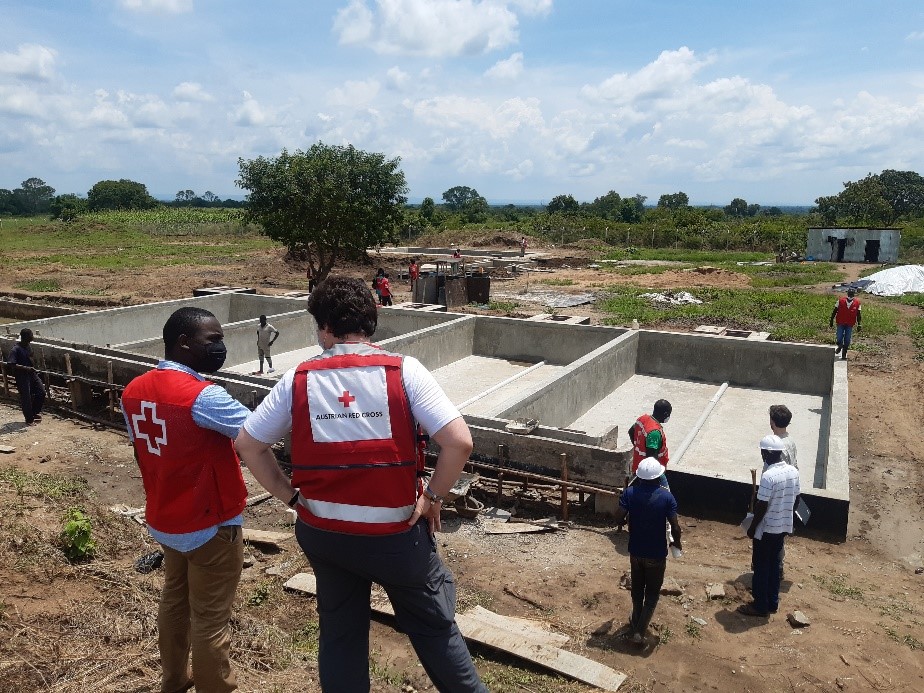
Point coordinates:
[(727, 444), (636, 396), (281, 362), (472, 375)]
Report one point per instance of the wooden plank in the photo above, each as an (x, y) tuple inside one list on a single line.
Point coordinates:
[(259, 536), (536, 631), (572, 665), (526, 640), (515, 528)]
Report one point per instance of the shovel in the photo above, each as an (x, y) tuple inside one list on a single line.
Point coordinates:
[(746, 522)]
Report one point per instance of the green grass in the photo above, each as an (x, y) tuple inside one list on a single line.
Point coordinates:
[(556, 282), (49, 486), (787, 315), (40, 285), (632, 270), (916, 330), (504, 306), (913, 300), (838, 587), (120, 243), (789, 273), (685, 255)]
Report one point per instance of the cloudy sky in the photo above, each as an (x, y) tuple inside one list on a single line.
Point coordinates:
[(777, 102)]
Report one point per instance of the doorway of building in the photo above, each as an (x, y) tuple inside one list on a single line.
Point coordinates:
[(871, 253), (841, 247)]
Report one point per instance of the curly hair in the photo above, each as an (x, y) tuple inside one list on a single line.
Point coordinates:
[(183, 321), (344, 306)]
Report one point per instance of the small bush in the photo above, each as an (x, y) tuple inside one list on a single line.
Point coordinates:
[(77, 536)]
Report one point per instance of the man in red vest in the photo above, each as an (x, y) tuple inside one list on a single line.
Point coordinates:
[(182, 429), (364, 514), (847, 313), (648, 438)]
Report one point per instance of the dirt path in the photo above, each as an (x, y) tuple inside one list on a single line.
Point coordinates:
[(863, 597)]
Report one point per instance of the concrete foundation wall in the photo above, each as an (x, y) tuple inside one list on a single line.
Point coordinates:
[(804, 368), (584, 383), (25, 310), (436, 346), (522, 340), (401, 321), (820, 248), (295, 329), (120, 325), (243, 307)]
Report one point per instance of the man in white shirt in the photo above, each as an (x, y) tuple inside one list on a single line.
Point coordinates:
[(363, 514), (266, 335), (776, 498)]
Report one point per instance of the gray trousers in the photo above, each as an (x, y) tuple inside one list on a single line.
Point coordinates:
[(422, 592)]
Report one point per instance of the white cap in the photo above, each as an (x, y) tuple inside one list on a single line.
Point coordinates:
[(772, 442), (649, 469)]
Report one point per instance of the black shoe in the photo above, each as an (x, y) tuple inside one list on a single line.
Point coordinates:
[(838, 350)]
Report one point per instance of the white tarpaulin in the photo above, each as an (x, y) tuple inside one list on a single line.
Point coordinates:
[(679, 299), (907, 279)]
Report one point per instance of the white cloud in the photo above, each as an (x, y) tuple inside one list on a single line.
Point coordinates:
[(432, 27), (354, 93), (476, 115), (30, 61), (915, 36), (158, 6), (508, 69), (249, 113), (397, 79), (660, 79), (191, 91)]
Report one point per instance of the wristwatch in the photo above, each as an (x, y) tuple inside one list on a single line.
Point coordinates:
[(431, 496)]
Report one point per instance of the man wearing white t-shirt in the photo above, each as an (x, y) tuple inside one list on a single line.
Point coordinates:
[(776, 498), (363, 514)]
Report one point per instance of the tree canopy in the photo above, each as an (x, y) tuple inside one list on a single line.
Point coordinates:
[(878, 200), (119, 194), (675, 200), (563, 204), (326, 203)]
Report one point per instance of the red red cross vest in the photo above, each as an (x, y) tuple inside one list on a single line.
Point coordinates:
[(640, 430), (191, 475), (847, 313), (355, 452)]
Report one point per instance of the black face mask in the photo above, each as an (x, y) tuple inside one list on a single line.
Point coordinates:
[(215, 355)]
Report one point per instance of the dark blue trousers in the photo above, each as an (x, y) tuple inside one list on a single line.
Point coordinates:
[(31, 394), (766, 583), (422, 592)]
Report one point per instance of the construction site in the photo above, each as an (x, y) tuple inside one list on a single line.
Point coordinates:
[(549, 398)]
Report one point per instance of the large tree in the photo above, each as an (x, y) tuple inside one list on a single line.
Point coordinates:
[(675, 200), (327, 203), (738, 208), (460, 196), (119, 194), (563, 204), (36, 195)]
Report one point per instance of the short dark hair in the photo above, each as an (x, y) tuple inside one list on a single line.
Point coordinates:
[(662, 408), (771, 456), (780, 415), (25, 332), (183, 321), (344, 306)]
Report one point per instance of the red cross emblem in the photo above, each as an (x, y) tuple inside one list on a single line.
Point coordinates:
[(346, 398), (155, 430)]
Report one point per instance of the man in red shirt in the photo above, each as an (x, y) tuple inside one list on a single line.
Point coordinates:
[(847, 312)]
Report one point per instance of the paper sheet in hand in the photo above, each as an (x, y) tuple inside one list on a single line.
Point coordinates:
[(802, 512), (746, 523)]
